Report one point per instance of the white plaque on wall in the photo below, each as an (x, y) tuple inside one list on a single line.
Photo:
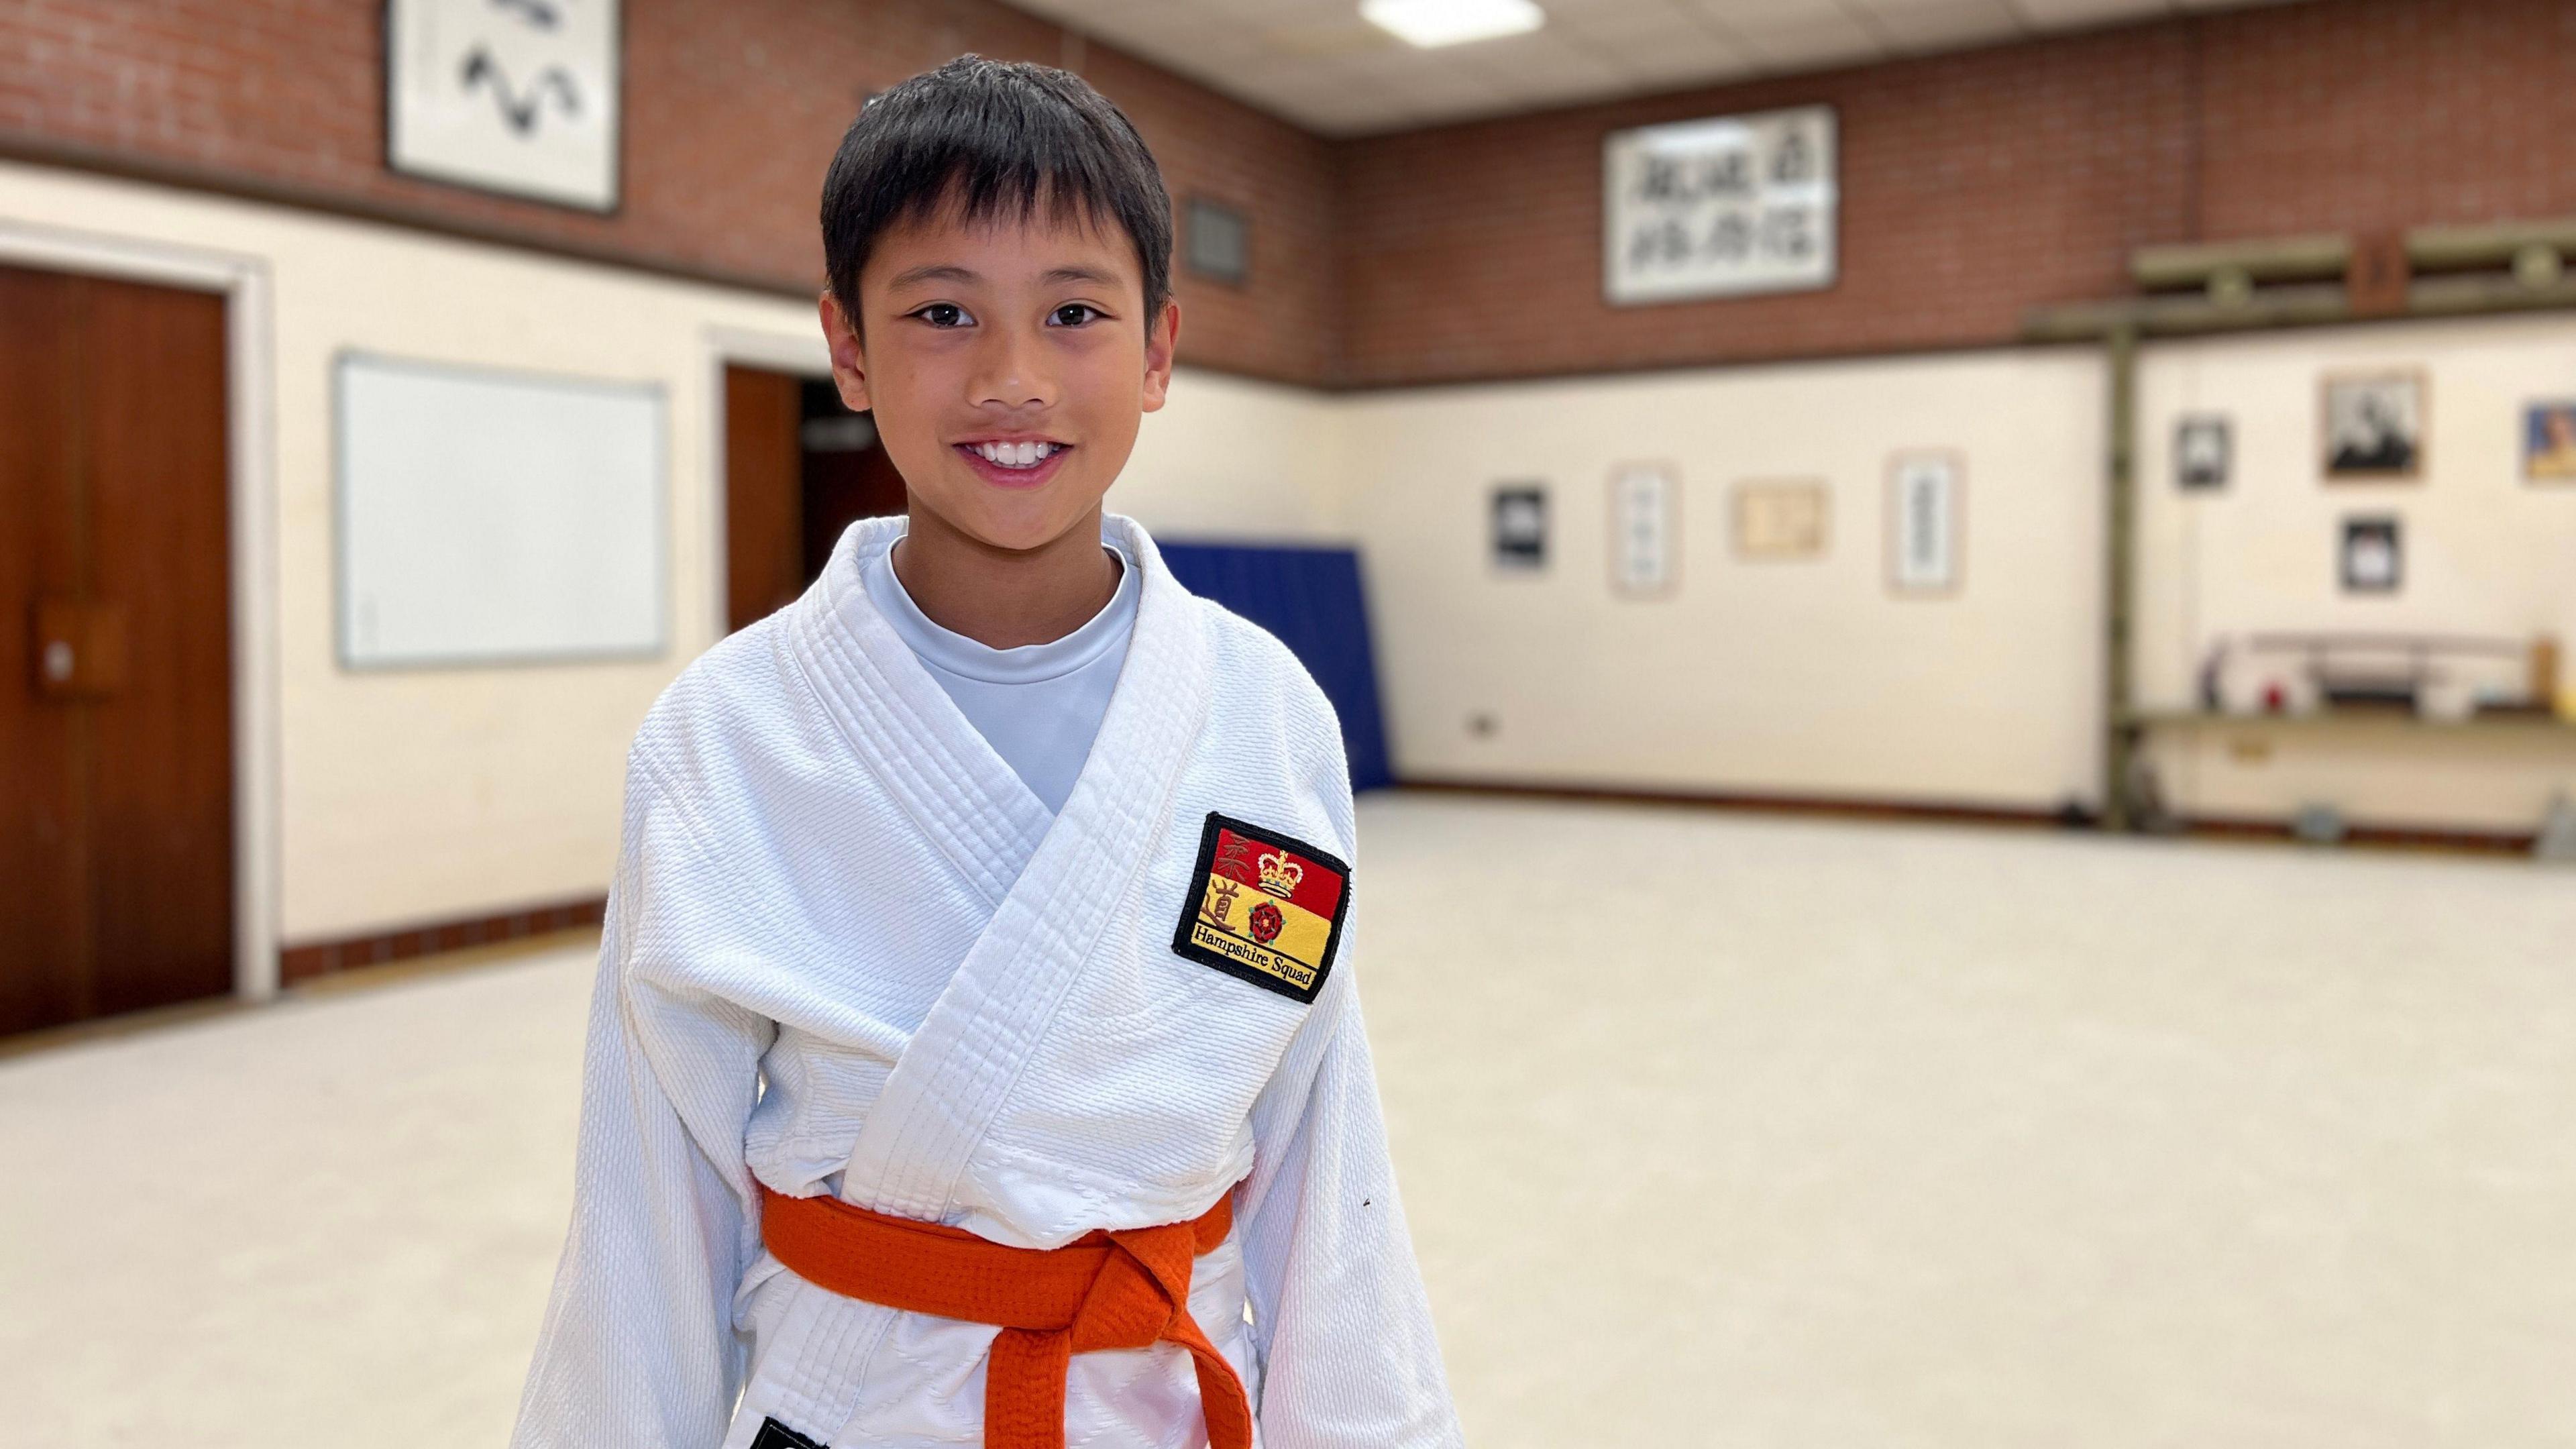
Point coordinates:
[(1717, 207), (1643, 534), (518, 96), (487, 517), (1923, 525)]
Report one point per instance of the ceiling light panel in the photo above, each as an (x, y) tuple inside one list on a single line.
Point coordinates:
[(1429, 23)]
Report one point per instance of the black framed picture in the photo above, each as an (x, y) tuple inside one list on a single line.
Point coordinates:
[(2373, 558), (1520, 527), (2203, 452), (2374, 426)]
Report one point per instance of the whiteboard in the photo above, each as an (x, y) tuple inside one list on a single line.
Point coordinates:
[(493, 517)]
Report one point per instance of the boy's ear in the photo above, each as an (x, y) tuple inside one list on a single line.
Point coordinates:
[(1160, 339), (849, 363)]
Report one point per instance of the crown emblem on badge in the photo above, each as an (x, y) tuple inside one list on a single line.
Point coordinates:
[(1279, 875)]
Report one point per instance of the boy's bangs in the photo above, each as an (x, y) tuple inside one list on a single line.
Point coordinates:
[(976, 197), (994, 143)]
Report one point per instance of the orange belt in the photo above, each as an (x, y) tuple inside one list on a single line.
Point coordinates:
[(1125, 1289)]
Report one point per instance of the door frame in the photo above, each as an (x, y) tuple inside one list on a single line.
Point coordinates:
[(242, 280), (720, 347)]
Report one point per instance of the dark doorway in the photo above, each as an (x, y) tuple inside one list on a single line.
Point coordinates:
[(116, 753), (799, 468)]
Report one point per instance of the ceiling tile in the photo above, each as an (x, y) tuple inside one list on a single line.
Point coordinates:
[(1183, 38), (1674, 70), (1541, 61), (1317, 64), (1818, 38), (2077, 14), (1645, 18), (1925, 25)]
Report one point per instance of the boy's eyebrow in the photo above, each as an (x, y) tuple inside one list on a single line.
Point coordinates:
[(951, 272)]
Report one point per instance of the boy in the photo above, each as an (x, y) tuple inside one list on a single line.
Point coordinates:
[(974, 1040)]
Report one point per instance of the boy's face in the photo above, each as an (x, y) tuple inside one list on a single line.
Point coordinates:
[(995, 337)]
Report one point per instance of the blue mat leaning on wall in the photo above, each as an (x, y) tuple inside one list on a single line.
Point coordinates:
[(1310, 597)]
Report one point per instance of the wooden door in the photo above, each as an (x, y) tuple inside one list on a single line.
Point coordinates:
[(799, 468), (764, 501), (116, 758)]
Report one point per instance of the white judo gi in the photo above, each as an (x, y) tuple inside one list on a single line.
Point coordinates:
[(847, 951)]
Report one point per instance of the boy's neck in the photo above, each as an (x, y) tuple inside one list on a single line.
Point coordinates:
[(1003, 598)]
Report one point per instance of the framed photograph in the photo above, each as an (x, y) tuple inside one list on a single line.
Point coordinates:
[(1782, 520), (1645, 530), (514, 96), (1519, 519), (2203, 452), (2373, 558), (2373, 426), (1926, 523), (1719, 207), (2549, 442)]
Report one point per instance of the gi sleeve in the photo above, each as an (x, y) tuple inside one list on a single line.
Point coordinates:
[(639, 1348), (1340, 1320)]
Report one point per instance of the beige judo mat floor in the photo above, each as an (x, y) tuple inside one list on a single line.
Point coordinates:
[(1714, 1130)]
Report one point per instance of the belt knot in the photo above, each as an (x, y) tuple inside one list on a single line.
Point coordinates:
[(1128, 1288)]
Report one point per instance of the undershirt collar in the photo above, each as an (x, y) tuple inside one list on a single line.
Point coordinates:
[(1023, 664)]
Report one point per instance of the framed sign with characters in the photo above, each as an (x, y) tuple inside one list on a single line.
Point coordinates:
[(1645, 529), (514, 96), (1925, 503), (1719, 207)]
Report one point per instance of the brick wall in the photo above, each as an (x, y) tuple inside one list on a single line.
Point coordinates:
[(1974, 186), (733, 108)]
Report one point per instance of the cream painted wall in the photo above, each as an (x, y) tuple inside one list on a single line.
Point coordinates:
[(423, 796), (429, 795), (1231, 457), (2485, 554), (1788, 678)]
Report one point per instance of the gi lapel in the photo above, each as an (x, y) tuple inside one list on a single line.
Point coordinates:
[(965, 798), (952, 1080)]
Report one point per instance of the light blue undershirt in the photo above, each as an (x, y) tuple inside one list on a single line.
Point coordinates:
[(1038, 705)]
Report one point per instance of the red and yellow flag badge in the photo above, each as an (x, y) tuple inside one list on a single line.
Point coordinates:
[(1268, 908)]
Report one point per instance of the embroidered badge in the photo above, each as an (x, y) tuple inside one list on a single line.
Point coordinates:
[(775, 1435), (1268, 908)]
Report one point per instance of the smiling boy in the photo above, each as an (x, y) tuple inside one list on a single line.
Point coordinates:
[(975, 1056)]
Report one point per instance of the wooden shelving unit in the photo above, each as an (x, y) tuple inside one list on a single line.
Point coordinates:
[(2353, 720)]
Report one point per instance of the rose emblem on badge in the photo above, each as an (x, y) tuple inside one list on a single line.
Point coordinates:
[(1266, 922)]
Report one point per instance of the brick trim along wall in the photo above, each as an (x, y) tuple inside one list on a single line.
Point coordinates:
[(733, 108), (1975, 185), (377, 948)]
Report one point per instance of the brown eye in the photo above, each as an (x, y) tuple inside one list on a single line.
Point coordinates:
[(1069, 313), (941, 314)]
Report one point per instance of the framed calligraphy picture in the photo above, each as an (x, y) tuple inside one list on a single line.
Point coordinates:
[(1645, 530), (514, 96), (1720, 207), (1926, 505)]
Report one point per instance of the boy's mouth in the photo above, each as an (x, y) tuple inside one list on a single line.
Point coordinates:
[(1014, 464)]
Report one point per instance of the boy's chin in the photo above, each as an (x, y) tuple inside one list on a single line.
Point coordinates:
[(1018, 525)]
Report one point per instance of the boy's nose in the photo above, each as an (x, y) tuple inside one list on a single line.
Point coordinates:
[(1012, 372)]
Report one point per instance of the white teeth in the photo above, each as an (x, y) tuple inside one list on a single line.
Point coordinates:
[(1016, 455)]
